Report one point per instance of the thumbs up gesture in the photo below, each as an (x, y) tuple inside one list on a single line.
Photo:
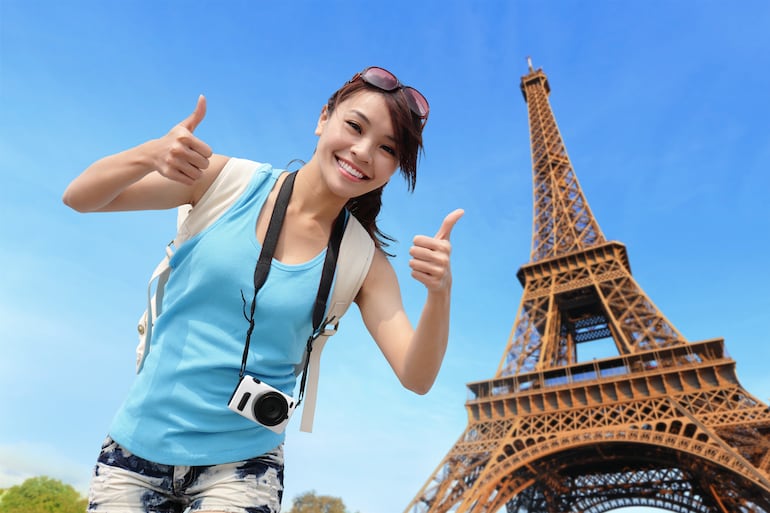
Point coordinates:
[(430, 256), (181, 156)]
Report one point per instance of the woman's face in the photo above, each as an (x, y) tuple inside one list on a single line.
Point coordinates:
[(356, 147)]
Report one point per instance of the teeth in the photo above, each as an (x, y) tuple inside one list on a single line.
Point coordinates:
[(348, 169)]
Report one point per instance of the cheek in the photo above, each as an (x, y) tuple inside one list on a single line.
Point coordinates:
[(388, 167), (335, 136), (327, 142)]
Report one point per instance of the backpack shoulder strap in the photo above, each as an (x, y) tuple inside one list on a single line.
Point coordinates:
[(355, 258), (224, 190), (221, 194)]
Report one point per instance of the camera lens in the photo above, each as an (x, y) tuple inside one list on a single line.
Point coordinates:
[(270, 408)]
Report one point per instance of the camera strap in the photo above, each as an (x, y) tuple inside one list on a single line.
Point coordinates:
[(262, 269)]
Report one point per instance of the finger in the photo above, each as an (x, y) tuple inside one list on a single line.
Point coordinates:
[(199, 161), (201, 148), (431, 281), (189, 170), (180, 177), (184, 153), (448, 224), (425, 279), (438, 253), (427, 268), (194, 119)]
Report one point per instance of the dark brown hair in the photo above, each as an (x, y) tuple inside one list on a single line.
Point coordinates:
[(408, 134)]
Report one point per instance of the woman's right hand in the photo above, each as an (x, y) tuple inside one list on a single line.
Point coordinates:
[(161, 173), (180, 155)]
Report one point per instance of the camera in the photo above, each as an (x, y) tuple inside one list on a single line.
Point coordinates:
[(262, 403)]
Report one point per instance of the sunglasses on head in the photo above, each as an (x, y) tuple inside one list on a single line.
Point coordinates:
[(387, 81)]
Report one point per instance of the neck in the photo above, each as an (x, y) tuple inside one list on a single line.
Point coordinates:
[(312, 197)]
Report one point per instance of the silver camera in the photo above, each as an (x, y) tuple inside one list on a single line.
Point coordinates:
[(262, 403)]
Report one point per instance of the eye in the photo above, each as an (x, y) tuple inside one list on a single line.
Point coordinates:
[(355, 126), (389, 150)]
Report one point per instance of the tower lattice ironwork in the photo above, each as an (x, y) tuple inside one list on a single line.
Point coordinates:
[(664, 424)]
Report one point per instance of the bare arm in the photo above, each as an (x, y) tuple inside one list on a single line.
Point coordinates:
[(161, 173), (414, 354)]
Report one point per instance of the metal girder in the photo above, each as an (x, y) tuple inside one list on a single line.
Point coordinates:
[(664, 424)]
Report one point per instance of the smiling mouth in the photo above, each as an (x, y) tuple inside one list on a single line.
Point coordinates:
[(350, 170)]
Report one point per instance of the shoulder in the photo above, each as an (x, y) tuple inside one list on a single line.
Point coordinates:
[(380, 281), (227, 178), (230, 172)]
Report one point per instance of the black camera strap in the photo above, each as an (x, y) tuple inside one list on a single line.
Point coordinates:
[(262, 269)]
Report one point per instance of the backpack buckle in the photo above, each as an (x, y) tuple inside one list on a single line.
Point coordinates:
[(327, 328)]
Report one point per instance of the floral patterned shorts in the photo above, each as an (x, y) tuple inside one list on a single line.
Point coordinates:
[(125, 483)]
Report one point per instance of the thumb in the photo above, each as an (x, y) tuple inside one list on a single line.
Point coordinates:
[(448, 224), (194, 119)]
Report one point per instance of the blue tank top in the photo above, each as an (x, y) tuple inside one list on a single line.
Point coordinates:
[(176, 411)]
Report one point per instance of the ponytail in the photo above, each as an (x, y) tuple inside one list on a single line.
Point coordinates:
[(366, 208)]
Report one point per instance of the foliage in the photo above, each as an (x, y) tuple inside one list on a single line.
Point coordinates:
[(42, 495), (309, 502)]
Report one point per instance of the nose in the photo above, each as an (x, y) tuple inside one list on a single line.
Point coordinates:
[(362, 149)]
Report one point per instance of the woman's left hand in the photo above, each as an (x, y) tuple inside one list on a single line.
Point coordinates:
[(430, 256)]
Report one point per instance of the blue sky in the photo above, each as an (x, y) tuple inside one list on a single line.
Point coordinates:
[(663, 107)]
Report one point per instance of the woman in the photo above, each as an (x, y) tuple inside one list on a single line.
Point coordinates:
[(174, 443)]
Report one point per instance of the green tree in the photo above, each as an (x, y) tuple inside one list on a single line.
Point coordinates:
[(309, 502), (42, 495)]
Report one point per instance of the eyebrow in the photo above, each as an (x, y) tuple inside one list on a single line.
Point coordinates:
[(368, 121), (361, 115)]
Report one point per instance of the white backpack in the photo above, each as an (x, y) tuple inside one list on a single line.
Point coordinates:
[(355, 257)]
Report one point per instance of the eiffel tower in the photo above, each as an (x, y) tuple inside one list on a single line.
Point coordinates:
[(664, 424)]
